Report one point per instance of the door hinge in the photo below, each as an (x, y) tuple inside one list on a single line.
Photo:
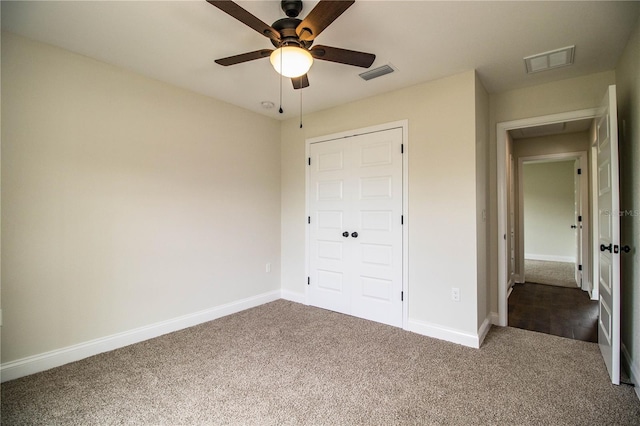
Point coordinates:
[(309, 161), (308, 280), (401, 219), (401, 148), (579, 218), (308, 219), (579, 171), (579, 267), (402, 296)]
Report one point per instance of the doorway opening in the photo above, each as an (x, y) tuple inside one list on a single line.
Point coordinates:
[(511, 267), (552, 292), (552, 213), (604, 252)]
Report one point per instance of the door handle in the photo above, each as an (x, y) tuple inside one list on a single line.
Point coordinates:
[(603, 247), (625, 249), (354, 234), (345, 234), (573, 227)]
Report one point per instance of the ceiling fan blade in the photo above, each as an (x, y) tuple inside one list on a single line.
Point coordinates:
[(325, 12), (343, 56), (300, 82), (234, 10), (244, 57)]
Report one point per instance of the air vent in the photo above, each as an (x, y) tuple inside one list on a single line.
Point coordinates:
[(377, 72), (549, 60)]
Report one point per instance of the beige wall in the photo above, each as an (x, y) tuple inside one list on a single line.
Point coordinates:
[(548, 195), (628, 92), (126, 201), (482, 196), (553, 144), (442, 193), (545, 99)]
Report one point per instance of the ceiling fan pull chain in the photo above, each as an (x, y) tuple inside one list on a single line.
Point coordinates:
[(301, 108), (280, 110)]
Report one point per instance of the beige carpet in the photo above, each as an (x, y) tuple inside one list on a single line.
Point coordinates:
[(288, 364), (561, 274)]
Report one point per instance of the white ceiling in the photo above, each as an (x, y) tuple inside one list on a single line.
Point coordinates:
[(177, 42)]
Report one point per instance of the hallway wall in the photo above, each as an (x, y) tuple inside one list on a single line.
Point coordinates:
[(548, 194)]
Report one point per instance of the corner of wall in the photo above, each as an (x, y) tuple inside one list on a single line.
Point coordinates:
[(448, 334), (632, 368), (482, 199)]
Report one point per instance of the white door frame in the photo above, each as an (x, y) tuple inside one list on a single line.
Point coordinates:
[(595, 266), (584, 194), (404, 125), (501, 190)]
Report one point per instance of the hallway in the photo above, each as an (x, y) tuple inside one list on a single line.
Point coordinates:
[(565, 312)]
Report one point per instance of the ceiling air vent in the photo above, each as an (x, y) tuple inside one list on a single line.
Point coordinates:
[(549, 60), (377, 72)]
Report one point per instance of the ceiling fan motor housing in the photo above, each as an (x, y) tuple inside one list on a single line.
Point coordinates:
[(288, 36), (291, 8)]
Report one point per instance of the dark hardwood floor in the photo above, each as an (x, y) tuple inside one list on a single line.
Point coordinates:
[(560, 311)]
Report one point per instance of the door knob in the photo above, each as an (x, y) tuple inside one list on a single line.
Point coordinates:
[(625, 249), (345, 234), (354, 234), (573, 227), (603, 247)]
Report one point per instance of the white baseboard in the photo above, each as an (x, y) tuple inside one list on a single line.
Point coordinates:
[(633, 369), (444, 333), (294, 296), (550, 258), (495, 318), (41, 362)]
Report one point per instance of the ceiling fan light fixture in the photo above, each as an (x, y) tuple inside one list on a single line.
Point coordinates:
[(295, 61)]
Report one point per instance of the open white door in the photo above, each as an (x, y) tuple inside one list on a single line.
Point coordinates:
[(608, 192)]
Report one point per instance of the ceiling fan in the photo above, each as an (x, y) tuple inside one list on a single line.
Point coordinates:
[(293, 37)]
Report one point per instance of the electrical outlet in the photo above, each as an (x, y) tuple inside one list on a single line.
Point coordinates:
[(455, 294), (267, 268)]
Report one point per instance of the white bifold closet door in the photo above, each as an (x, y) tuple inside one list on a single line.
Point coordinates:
[(355, 235)]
